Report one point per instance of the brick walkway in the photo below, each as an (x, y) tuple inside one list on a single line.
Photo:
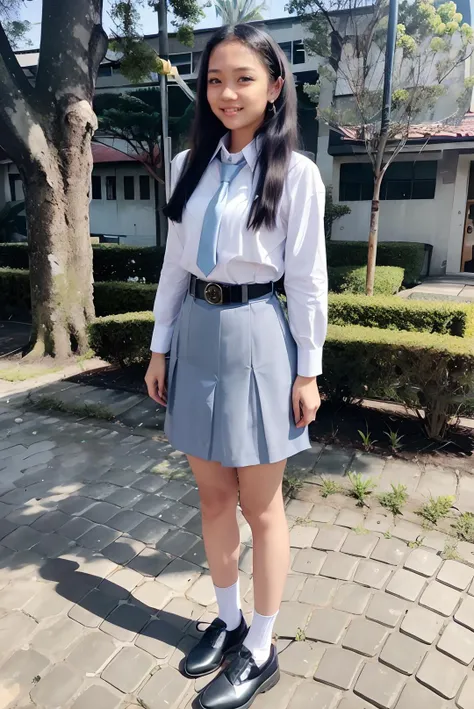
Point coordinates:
[(103, 577)]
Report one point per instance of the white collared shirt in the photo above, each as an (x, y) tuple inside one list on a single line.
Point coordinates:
[(296, 247)]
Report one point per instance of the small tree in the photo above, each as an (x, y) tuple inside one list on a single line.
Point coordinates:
[(432, 42), (234, 12)]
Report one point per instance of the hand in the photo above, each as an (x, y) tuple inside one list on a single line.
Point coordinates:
[(155, 379), (306, 400)]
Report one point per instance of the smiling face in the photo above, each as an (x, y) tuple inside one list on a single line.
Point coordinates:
[(239, 87)]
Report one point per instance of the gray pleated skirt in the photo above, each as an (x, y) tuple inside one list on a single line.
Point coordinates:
[(230, 380)]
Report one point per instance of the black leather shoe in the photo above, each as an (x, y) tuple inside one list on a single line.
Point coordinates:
[(216, 643), (241, 682)]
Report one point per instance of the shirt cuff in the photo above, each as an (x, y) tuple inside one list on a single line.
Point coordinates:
[(310, 362), (161, 339)]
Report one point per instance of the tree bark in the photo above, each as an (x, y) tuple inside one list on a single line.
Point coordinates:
[(373, 235)]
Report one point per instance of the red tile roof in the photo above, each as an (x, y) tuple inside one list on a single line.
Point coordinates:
[(105, 153), (463, 130)]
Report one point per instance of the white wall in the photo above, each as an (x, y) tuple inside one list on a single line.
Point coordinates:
[(421, 220), (134, 219)]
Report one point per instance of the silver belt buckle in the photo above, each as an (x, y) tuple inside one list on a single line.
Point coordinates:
[(213, 294)]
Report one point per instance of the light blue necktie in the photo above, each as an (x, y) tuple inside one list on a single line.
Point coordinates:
[(207, 252)]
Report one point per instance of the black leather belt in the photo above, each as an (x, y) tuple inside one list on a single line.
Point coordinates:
[(225, 293)]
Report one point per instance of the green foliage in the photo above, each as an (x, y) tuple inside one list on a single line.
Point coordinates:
[(367, 441), (450, 551), (361, 487), (395, 499), (436, 508), (417, 543), (464, 527), (113, 298), (394, 313), (407, 255), (350, 279), (395, 440), (12, 220), (329, 487), (333, 212), (14, 291), (122, 339), (234, 12)]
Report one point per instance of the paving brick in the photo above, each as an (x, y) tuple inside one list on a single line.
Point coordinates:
[(149, 483), (47, 603), (415, 696), (179, 575), (15, 629), (99, 490), (123, 550), (177, 542), (128, 669), (159, 638), (399, 472), (101, 512), (17, 594), (339, 566), (327, 626), (390, 551), (330, 538), (403, 653), (125, 497), (21, 539), (440, 598), (152, 505), (379, 685), (98, 696), (293, 587), (179, 612), (92, 652), (125, 622), (150, 562), (75, 505), (302, 536), (458, 642), (176, 489), (386, 609), (286, 688), (54, 640), (456, 575), (150, 531), (379, 522), (313, 694), (408, 531), (464, 615), (98, 537), (422, 625), (466, 491), (202, 591), (423, 562), (57, 687), (338, 668), (152, 595), (126, 520), (166, 688), (6, 528), (50, 521), (309, 561), (292, 616), (178, 514), (93, 608), (350, 701), (365, 637), (351, 599), (323, 513), (441, 674), (52, 545), (406, 584), (121, 583), (373, 574), (350, 518), (360, 544), (466, 698), (318, 591), (75, 527), (301, 659)]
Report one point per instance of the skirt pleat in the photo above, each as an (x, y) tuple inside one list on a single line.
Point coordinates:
[(230, 381)]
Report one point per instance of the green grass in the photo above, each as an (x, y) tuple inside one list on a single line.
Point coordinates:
[(450, 551), (417, 543), (436, 508), (464, 527), (329, 487), (291, 485), (360, 488), (21, 373), (395, 499), (48, 403)]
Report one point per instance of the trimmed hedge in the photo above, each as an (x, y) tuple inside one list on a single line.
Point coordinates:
[(111, 262), (431, 373), (14, 291), (398, 314), (406, 255), (350, 279)]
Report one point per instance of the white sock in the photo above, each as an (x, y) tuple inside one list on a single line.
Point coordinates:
[(259, 638), (228, 600)]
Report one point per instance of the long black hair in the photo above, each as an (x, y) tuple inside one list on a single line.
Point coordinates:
[(279, 134)]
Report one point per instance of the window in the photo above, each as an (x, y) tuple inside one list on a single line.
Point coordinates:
[(129, 187), (144, 187), (96, 187), (196, 59), (182, 61), (299, 56), (403, 180), (286, 46), (105, 70), (111, 187)]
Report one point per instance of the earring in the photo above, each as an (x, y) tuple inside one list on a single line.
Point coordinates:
[(271, 107)]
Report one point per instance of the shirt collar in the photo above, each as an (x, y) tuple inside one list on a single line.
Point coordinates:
[(250, 152)]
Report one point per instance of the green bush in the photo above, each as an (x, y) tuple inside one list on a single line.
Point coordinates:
[(433, 374), (392, 313), (111, 261), (14, 291), (351, 279), (113, 298), (406, 255)]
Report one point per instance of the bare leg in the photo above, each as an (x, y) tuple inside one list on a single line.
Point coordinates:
[(218, 492), (262, 504)]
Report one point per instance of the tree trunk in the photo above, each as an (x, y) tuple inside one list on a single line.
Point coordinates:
[(373, 236), (57, 208)]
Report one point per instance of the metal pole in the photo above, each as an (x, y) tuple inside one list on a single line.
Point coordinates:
[(163, 50), (389, 61)]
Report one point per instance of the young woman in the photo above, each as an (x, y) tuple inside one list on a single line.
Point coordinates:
[(241, 388)]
